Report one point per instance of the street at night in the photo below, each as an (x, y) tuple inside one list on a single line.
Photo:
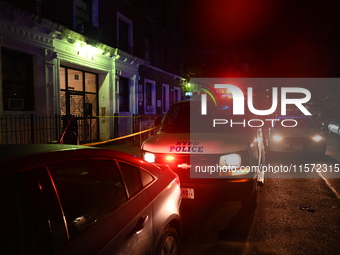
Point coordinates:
[(168, 127), (293, 216)]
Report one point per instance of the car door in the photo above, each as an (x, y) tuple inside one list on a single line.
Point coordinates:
[(100, 215), (136, 235)]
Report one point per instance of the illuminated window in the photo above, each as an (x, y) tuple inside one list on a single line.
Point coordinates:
[(17, 81)]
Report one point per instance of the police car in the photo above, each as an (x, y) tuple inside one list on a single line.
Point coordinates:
[(207, 155)]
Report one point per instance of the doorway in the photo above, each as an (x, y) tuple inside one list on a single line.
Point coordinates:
[(79, 99)]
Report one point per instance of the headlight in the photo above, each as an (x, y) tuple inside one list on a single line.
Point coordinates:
[(240, 171), (231, 163), (149, 157), (233, 160), (317, 138), (277, 138)]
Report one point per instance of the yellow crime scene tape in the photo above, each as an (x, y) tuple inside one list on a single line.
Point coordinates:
[(119, 138), (116, 116)]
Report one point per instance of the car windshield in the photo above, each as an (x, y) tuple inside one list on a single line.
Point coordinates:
[(187, 118)]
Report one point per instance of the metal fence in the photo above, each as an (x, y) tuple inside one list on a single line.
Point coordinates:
[(29, 128), (145, 122)]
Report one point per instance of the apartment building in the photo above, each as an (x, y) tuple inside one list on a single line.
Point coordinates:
[(103, 63)]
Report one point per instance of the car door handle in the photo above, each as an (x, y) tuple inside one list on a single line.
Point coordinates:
[(140, 224)]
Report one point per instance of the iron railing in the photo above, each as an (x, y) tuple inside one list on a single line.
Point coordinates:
[(29, 128)]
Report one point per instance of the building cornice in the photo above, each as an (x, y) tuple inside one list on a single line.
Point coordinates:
[(25, 34)]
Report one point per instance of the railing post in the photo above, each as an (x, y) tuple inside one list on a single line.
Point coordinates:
[(115, 125), (136, 128), (32, 128), (56, 126)]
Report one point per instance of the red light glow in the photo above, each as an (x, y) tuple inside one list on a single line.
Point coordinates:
[(169, 159)]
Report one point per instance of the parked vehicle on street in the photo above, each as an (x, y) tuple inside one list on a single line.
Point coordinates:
[(207, 158), (334, 127), (69, 199), (299, 134)]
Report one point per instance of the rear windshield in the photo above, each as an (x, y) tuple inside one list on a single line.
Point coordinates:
[(187, 118)]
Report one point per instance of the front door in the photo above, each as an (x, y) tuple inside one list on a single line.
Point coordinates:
[(78, 98)]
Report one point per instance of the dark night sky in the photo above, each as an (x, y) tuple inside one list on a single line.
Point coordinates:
[(279, 38)]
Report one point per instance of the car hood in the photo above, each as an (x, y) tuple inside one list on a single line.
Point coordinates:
[(198, 143)]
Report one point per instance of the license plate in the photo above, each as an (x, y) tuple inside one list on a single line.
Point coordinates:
[(297, 147), (188, 193)]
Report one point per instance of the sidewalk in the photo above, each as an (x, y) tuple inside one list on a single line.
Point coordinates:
[(128, 147)]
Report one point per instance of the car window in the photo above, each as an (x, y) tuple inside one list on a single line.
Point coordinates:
[(88, 190), (187, 118), (135, 178), (146, 177)]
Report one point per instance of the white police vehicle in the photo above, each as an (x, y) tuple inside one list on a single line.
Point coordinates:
[(224, 158)]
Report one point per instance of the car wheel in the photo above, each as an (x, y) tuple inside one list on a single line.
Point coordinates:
[(169, 242)]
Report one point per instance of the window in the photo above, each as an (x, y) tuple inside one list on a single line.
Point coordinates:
[(177, 94), (150, 97), (86, 15), (131, 177), (124, 94), (124, 33), (17, 81), (165, 98), (165, 16), (88, 190), (149, 9), (82, 91), (135, 178), (148, 48)]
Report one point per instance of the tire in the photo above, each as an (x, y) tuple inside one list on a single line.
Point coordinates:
[(169, 242)]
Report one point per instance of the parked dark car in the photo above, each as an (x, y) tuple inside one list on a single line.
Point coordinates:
[(66, 199)]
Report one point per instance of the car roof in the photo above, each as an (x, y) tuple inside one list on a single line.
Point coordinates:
[(17, 150), (24, 156)]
